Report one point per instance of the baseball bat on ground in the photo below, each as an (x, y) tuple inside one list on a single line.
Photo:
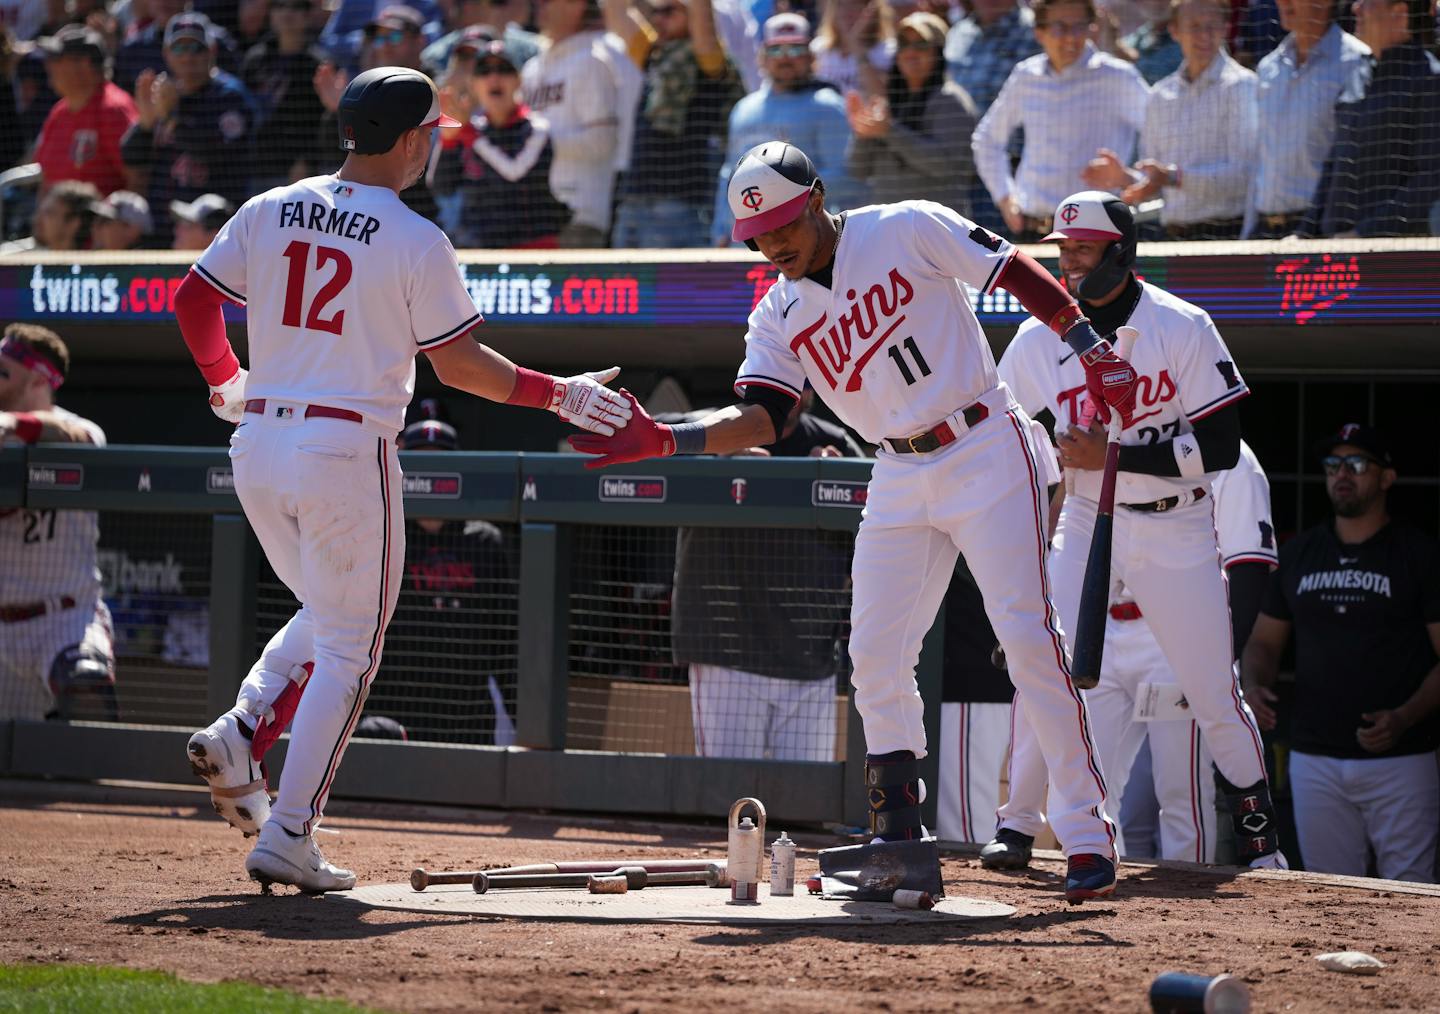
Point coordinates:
[(421, 878), (636, 878), (1089, 649)]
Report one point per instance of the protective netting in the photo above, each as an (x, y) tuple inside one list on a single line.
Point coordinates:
[(722, 642), (617, 123), (449, 666)]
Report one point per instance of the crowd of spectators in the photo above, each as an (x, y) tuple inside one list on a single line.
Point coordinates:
[(593, 123)]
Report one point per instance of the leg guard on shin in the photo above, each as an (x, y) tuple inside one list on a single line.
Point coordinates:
[(1252, 816), (892, 781), (277, 719)]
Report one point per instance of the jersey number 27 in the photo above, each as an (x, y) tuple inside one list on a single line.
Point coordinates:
[(298, 254)]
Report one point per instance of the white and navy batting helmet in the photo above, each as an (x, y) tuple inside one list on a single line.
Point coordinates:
[(769, 188), (1103, 218)]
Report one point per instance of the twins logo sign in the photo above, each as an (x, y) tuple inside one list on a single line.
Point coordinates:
[(752, 198), (1069, 213)]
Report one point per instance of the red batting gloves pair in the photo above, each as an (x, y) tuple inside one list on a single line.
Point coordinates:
[(642, 438), (1109, 381)]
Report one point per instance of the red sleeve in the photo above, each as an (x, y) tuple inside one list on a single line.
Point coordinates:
[(199, 312), (1039, 292)]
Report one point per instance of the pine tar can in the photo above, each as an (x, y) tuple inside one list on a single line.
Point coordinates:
[(782, 867)]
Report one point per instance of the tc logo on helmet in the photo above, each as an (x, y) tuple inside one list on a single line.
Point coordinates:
[(752, 198), (1069, 213)]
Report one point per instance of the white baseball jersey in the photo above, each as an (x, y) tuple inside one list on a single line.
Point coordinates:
[(572, 84), (47, 553), (1242, 513), (1185, 373), (355, 284), (893, 347)]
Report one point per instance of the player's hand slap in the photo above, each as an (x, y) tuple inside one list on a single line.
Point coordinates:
[(585, 401), (642, 438)]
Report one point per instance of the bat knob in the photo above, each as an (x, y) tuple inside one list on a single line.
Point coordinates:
[(419, 879), (481, 883), (1084, 682)]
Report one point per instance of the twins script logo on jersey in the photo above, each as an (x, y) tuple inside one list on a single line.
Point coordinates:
[(831, 351), (1150, 393)]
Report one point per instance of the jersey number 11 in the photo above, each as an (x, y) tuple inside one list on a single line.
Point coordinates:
[(899, 359)]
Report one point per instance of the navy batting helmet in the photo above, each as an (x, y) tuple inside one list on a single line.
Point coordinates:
[(381, 104), (1096, 215)]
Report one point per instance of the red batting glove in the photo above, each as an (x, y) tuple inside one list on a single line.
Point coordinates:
[(1109, 381), (641, 438)]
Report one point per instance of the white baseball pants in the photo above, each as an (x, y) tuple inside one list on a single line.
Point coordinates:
[(324, 498), (744, 714), (1170, 564), (1184, 783), (983, 496), (28, 650), (973, 741)]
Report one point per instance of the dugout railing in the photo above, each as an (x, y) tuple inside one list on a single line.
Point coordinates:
[(547, 501)]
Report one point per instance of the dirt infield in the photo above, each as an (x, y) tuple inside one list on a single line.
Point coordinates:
[(154, 880)]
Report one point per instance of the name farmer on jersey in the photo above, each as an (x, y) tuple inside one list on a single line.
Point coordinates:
[(308, 215)]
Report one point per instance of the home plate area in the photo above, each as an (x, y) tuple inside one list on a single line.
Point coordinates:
[(669, 904)]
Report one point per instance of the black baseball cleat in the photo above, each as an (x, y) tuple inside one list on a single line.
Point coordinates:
[(1008, 850), (1088, 876)]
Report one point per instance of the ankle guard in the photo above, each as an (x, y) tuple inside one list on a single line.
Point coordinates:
[(892, 782), (1252, 815)]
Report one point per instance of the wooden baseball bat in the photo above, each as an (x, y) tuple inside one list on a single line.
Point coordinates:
[(486, 881), (616, 884), (421, 878), (1088, 651)]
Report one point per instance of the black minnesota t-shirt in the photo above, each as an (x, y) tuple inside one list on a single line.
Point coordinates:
[(1359, 614)]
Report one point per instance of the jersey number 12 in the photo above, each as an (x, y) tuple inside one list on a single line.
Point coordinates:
[(898, 358), (298, 254)]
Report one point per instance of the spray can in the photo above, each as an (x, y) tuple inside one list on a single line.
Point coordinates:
[(745, 850), (1183, 993), (782, 867)]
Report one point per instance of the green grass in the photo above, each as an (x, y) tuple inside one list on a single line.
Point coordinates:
[(84, 989)]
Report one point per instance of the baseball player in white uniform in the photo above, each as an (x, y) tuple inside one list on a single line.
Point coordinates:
[(349, 285), (1139, 698), (1184, 430), (57, 654), (872, 309)]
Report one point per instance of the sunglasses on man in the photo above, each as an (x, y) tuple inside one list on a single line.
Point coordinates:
[(188, 47), (1357, 464), (391, 37), (791, 50)]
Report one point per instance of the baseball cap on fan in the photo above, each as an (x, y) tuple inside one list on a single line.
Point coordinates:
[(1367, 438), (785, 29), (1084, 216), (189, 25), (210, 211), (382, 103), (770, 187)]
